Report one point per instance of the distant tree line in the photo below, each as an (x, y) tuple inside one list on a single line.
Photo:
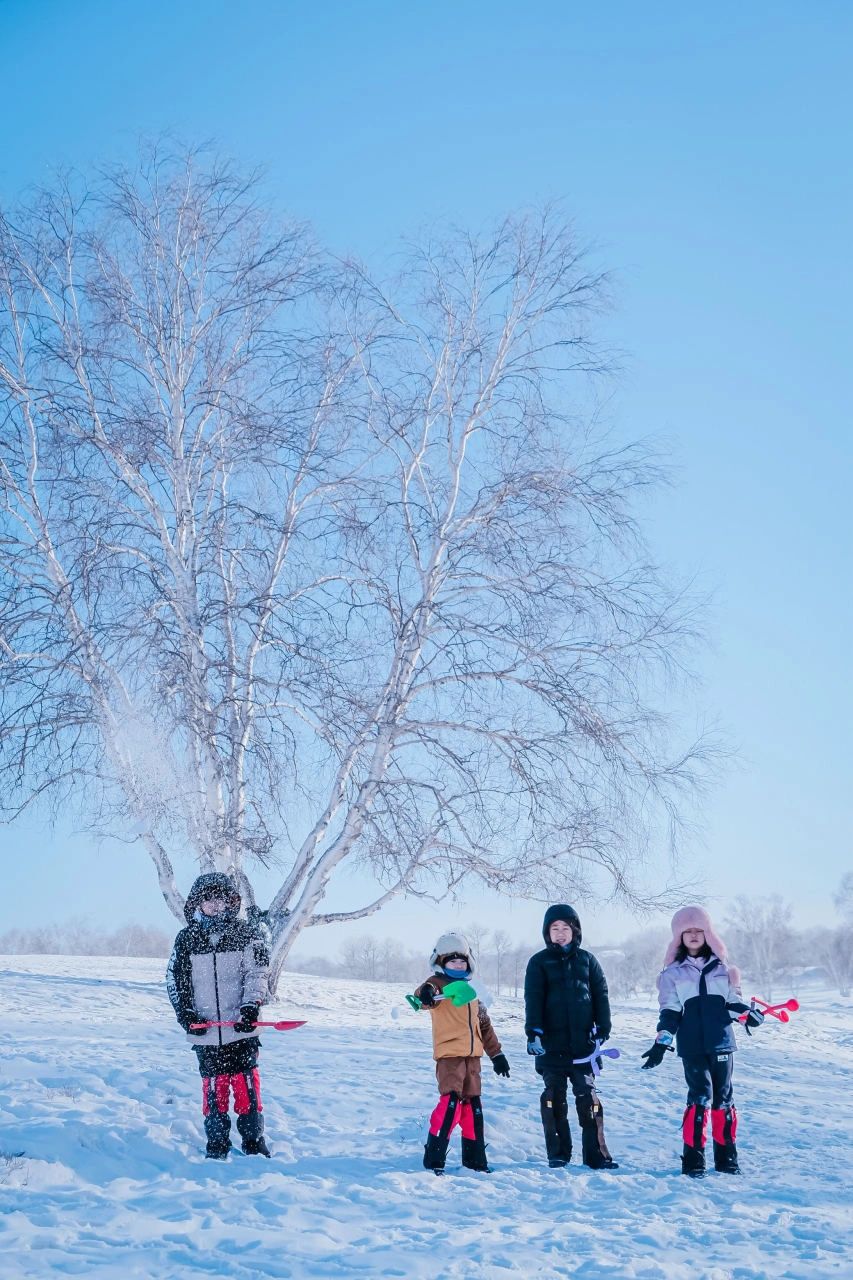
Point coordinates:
[(771, 954), (77, 938), (631, 967), (775, 958)]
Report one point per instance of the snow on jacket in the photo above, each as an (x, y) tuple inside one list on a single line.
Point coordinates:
[(699, 998), (565, 992), (463, 1032), (212, 972)]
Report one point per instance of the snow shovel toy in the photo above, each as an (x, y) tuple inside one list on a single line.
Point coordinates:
[(594, 1058), (779, 1011), (276, 1026)]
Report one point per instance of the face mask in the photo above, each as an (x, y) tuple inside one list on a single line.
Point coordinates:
[(210, 922)]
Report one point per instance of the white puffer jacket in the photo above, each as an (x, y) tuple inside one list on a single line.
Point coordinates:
[(213, 971), (699, 999)]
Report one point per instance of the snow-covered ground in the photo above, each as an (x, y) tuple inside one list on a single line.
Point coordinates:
[(102, 1170)]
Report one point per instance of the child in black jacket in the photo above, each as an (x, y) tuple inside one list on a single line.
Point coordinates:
[(566, 1009), (218, 972)]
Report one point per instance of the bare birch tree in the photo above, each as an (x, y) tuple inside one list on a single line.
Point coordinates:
[(843, 897), (301, 569), (761, 940), (501, 948)]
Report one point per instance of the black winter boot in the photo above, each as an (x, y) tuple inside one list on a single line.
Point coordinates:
[(724, 1130), (435, 1153), (693, 1161), (693, 1128), (725, 1158), (554, 1109), (591, 1117), (435, 1150), (474, 1149), (217, 1127), (251, 1129)]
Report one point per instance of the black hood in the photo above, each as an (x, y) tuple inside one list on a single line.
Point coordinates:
[(203, 885), (562, 911)]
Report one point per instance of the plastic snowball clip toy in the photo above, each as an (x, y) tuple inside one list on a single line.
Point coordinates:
[(458, 993), (779, 1011), (594, 1058)]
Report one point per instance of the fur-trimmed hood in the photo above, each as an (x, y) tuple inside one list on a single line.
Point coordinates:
[(211, 880), (446, 945), (694, 918)]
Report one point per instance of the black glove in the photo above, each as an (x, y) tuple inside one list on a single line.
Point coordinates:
[(754, 1017), (500, 1066), (426, 995), (188, 1019), (655, 1055), (248, 1017)]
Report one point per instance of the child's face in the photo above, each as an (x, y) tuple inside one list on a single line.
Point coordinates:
[(213, 906), (561, 933), (694, 941), (457, 965)]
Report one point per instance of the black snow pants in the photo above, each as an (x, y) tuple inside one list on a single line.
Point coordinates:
[(709, 1080), (709, 1095), (558, 1072), (231, 1068)]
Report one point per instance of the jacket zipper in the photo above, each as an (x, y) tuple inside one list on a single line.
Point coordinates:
[(216, 993), (566, 962), (703, 999), (471, 1030)]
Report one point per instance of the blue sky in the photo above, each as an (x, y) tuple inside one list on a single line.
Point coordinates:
[(705, 150)]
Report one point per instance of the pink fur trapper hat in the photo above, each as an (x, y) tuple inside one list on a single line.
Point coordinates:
[(694, 918)]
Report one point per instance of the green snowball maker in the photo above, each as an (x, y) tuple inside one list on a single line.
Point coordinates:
[(459, 993)]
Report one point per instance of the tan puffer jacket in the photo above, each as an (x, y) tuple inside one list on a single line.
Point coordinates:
[(463, 1032)]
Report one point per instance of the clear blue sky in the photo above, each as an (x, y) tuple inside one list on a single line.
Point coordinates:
[(706, 150)]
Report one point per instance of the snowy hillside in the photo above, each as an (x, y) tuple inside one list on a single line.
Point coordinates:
[(100, 1094)]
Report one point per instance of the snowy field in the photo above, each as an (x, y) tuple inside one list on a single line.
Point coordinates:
[(102, 1172)]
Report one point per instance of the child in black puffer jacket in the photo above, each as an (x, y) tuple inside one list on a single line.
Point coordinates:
[(700, 998), (566, 1009), (218, 972)]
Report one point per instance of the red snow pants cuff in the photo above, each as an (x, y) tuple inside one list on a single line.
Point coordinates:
[(694, 1126), (445, 1116), (216, 1091), (724, 1125)]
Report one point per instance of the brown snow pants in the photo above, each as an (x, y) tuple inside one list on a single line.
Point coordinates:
[(458, 1075)]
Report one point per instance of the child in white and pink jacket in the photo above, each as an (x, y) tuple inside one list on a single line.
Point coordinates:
[(700, 999)]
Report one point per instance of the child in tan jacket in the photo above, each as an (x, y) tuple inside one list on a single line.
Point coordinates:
[(461, 1031)]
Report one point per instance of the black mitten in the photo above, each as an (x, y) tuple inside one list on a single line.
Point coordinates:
[(188, 1019), (248, 1017), (500, 1065)]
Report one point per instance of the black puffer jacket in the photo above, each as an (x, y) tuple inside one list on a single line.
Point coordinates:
[(565, 993)]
